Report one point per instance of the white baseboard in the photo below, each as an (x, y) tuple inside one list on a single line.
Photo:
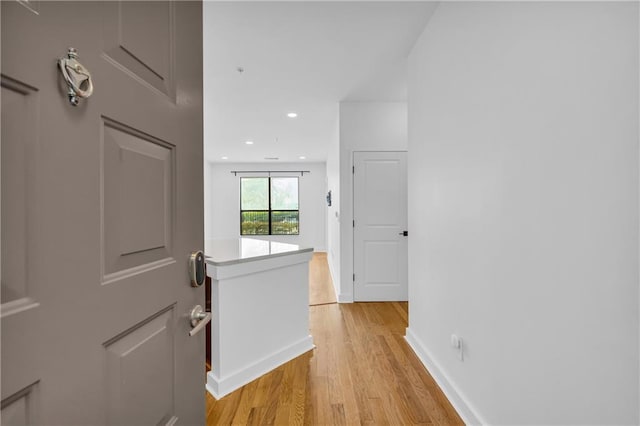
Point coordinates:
[(219, 387), (344, 298), (336, 282), (458, 401)]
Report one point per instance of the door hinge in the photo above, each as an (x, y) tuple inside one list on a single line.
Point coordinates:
[(354, 277), (353, 169), (354, 223)]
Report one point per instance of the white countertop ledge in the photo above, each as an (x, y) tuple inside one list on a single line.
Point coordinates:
[(232, 251)]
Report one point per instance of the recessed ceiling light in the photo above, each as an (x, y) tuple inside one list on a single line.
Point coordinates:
[(292, 115), (225, 158), (249, 142), (302, 157)]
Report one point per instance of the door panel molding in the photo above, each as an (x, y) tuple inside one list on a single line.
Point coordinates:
[(147, 55), (140, 361), (32, 6), (18, 145), (21, 408), (138, 185), (19, 119)]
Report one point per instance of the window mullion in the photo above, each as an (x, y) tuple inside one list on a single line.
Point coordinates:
[(269, 213)]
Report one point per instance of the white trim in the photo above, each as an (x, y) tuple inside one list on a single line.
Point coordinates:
[(336, 283), (219, 387), (235, 268), (345, 298), (457, 399)]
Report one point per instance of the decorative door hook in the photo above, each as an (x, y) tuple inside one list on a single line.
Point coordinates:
[(77, 77)]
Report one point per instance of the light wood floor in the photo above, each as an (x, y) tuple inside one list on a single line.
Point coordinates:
[(320, 284), (361, 372)]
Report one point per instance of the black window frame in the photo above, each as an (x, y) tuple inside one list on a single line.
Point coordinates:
[(270, 210)]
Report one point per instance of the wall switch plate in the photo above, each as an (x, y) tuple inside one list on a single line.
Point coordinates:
[(456, 343)]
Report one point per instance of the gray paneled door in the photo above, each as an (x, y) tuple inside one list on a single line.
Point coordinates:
[(101, 205)]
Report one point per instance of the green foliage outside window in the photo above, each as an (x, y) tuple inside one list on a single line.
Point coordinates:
[(254, 223), (269, 206)]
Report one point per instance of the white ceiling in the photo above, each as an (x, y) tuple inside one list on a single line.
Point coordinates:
[(303, 57)]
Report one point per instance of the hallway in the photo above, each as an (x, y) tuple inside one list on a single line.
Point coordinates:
[(361, 372)]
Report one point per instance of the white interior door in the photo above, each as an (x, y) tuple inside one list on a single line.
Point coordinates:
[(380, 221), (101, 206)]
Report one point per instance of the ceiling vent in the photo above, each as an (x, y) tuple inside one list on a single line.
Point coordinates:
[(272, 158)]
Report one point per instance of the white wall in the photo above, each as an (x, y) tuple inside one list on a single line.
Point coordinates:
[(208, 199), (333, 212), (523, 209), (222, 211), (364, 126)]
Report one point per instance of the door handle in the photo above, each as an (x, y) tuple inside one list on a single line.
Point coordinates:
[(199, 318), (404, 233)]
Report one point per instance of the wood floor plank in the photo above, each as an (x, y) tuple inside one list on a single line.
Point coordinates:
[(246, 403), (334, 384), (299, 390), (426, 380), (254, 416), (386, 379), (322, 404), (350, 405), (321, 289), (379, 415), (402, 310), (282, 415), (361, 372), (411, 401), (260, 397), (276, 391), (337, 415), (230, 407), (311, 404)]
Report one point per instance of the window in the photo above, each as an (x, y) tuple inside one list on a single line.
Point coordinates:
[(269, 206)]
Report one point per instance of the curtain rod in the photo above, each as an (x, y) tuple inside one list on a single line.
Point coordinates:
[(302, 172)]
